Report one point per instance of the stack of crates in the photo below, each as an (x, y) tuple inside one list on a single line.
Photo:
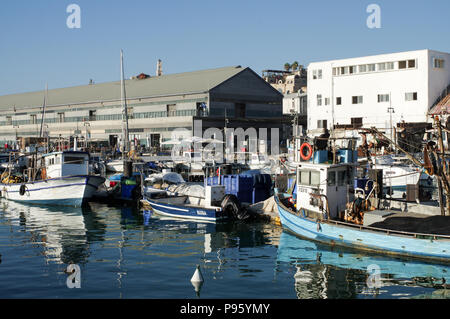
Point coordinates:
[(247, 189), (239, 186)]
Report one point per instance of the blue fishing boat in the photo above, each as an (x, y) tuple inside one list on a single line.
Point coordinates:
[(181, 207), (210, 204), (315, 212)]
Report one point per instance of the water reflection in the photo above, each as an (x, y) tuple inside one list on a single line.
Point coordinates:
[(325, 272), (62, 235)]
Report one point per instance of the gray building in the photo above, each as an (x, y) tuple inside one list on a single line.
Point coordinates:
[(156, 107)]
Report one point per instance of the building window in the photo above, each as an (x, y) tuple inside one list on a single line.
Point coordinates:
[(8, 120), (321, 123), (362, 68), (352, 69), (92, 115), (60, 117), (317, 74), (327, 101), (389, 65), (412, 96), (410, 64), (357, 99), (371, 67), (33, 119), (319, 99), (356, 122), (438, 63), (171, 110), (339, 101), (381, 66), (335, 71), (383, 98)]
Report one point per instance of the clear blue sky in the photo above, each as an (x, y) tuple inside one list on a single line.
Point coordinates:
[(37, 46)]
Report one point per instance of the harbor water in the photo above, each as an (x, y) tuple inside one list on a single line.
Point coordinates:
[(126, 253)]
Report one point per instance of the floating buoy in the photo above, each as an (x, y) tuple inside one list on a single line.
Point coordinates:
[(308, 155), (197, 280)]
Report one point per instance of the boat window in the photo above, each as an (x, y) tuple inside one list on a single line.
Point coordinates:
[(57, 160), (309, 178), (331, 178), (342, 178), (73, 160), (304, 177), (315, 178)]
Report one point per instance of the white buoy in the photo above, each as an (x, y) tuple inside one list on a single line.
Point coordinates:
[(197, 280)]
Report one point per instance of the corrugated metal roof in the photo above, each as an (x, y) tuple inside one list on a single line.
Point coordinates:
[(443, 107), (165, 85)]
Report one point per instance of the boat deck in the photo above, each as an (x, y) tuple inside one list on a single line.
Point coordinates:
[(416, 223)]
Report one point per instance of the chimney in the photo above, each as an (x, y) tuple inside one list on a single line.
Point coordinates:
[(159, 68)]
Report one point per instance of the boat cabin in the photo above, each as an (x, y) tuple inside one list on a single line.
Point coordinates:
[(324, 188), (66, 163)]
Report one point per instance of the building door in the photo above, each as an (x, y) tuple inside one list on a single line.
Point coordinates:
[(154, 140)]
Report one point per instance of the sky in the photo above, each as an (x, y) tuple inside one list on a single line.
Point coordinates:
[(38, 47)]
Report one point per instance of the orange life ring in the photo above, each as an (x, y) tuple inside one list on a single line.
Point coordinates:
[(308, 156), (44, 173)]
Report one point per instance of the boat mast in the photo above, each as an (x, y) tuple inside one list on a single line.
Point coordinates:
[(43, 110), (125, 135)]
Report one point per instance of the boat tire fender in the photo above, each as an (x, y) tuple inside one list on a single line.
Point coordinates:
[(22, 189), (308, 155), (230, 204)]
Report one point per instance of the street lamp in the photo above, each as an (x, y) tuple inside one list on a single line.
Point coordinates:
[(86, 124)]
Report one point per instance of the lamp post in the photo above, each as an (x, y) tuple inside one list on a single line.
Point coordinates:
[(86, 124)]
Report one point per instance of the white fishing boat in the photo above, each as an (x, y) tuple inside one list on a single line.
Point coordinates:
[(397, 174), (60, 178)]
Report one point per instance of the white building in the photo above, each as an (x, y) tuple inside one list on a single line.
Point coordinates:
[(367, 91), (295, 103)]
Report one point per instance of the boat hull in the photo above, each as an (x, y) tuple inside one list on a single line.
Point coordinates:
[(365, 238), (65, 191), (166, 208)]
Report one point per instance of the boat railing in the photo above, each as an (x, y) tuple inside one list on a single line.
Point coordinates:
[(387, 231)]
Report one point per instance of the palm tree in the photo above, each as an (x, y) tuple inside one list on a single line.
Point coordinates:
[(294, 66), (287, 66)]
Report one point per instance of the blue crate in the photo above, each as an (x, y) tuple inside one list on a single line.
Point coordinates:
[(320, 156), (127, 190)]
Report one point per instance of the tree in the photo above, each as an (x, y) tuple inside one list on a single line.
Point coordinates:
[(294, 66), (287, 66)]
